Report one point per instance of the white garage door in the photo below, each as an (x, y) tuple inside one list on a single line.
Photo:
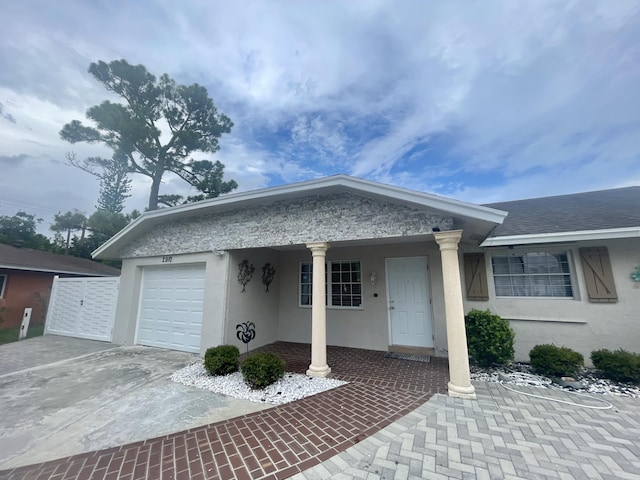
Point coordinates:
[(170, 314)]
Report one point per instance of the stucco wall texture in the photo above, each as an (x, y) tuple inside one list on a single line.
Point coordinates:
[(574, 322), (340, 217)]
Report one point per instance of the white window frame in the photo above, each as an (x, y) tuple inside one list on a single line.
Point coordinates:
[(568, 274), (4, 284), (329, 285)]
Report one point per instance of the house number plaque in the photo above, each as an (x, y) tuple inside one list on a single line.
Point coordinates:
[(167, 259)]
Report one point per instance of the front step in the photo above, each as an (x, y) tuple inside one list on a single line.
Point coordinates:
[(412, 350)]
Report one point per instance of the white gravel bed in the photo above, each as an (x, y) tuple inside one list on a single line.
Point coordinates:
[(292, 386), (522, 374)]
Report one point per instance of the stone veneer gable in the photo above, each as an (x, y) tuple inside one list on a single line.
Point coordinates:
[(332, 218)]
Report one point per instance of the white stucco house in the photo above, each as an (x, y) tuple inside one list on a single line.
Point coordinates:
[(397, 269)]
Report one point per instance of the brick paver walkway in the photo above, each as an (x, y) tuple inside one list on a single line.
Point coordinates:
[(275, 443), (502, 435)]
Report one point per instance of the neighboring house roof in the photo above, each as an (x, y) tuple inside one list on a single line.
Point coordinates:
[(38, 261), (472, 219), (582, 216)]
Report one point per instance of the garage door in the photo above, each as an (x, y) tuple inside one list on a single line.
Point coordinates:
[(170, 314)]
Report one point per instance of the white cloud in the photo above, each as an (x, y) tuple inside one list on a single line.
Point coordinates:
[(537, 96), (255, 167)]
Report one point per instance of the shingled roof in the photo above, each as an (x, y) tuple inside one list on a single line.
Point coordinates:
[(39, 261), (599, 210)]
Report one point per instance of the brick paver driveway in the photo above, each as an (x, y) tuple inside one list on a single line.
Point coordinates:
[(502, 435), (274, 443), (385, 424)]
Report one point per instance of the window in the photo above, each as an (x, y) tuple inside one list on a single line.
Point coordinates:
[(346, 284), (343, 279), (306, 281), (3, 282), (535, 274)]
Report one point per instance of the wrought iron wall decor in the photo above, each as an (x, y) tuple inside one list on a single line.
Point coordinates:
[(245, 273), (268, 272), (246, 332)]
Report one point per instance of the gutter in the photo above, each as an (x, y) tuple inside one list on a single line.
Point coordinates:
[(62, 272), (581, 235)]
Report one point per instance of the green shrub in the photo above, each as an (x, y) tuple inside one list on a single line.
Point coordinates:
[(222, 360), (620, 366), (262, 369), (489, 338), (554, 361)]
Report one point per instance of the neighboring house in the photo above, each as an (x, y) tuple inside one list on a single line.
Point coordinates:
[(399, 269), (26, 276)]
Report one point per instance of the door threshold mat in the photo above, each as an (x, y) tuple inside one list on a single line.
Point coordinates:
[(408, 356)]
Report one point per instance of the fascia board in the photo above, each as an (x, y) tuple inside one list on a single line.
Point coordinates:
[(448, 205), (59, 272), (122, 233), (425, 199), (582, 235)]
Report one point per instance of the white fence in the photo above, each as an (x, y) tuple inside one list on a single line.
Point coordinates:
[(83, 307)]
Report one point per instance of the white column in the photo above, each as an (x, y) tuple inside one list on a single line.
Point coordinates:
[(459, 374), (318, 367)]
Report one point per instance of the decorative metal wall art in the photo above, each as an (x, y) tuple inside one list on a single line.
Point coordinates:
[(268, 272), (246, 332), (245, 272)]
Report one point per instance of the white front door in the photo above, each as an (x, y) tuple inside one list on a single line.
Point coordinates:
[(409, 302)]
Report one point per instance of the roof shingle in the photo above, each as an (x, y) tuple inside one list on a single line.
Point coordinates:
[(604, 209), (37, 260)]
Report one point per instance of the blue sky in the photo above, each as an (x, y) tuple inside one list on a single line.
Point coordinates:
[(479, 101)]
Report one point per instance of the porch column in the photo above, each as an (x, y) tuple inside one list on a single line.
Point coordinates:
[(460, 376), (318, 367)]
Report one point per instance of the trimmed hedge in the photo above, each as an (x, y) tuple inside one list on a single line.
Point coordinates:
[(489, 338), (262, 369), (222, 360), (620, 366), (554, 361)]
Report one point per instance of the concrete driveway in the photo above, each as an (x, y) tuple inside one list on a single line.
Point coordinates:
[(62, 396)]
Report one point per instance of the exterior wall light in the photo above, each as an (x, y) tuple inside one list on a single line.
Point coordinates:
[(373, 279)]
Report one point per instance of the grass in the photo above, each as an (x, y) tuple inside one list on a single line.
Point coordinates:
[(8, 335)]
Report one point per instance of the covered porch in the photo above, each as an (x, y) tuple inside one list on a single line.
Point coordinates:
[(460, 380), (398, 295)]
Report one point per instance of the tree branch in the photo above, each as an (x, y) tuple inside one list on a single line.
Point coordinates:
[(137, 167), (84, 165)]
